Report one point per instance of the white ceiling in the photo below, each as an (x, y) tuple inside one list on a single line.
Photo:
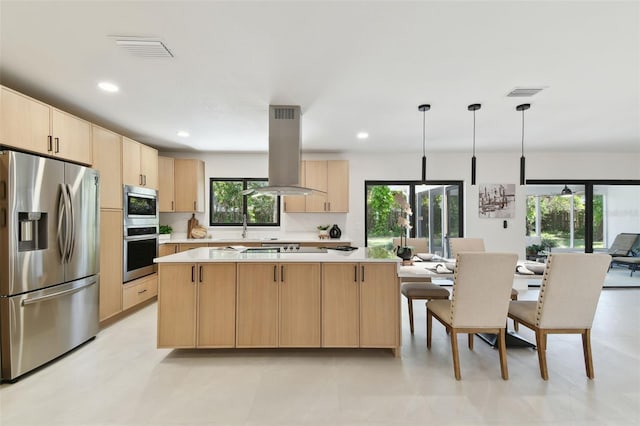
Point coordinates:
[(352, 66)]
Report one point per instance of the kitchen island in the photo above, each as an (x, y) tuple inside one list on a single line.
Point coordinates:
[(221, 298)]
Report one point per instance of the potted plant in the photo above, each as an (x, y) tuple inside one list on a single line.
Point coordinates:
[(165, 232), (323, 231), (403, 251)]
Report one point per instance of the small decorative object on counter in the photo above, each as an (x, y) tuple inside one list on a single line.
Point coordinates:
[(335, 232), (403, 251), (192, 223), (198, 231), (165, 232), (323, 231)]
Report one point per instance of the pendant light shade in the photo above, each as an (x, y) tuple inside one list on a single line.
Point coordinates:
[(566, 191), (474, 108), (523, 108), (424, 108)]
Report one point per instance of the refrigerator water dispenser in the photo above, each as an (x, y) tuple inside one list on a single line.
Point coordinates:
[(32, 231)]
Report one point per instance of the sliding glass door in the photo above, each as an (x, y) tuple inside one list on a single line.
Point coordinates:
[(436, 213)]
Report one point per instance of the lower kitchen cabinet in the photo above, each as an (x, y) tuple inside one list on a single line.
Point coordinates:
[(340, 305), (257, 316), (196, 305), (360, 305), (167, 249), (138, 291), (216, 321), (299, 305)]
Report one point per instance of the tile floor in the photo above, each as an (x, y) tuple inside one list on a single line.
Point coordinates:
[(120, 378)]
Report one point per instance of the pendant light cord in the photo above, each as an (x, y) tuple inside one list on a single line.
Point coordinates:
[(522, 149), (423, 133), (474, 132)]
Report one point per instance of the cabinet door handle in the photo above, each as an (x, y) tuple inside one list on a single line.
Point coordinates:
[(329, 205), (275, 273), (142, 291), (140, 180), (172, 205), (362, 275), (281, 273), (194, 206), (145, 180), (50, 143), (200, 273), (57, 145), (193, 272), (355, 273)]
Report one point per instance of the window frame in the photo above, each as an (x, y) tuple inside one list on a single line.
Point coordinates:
[(245, 182)]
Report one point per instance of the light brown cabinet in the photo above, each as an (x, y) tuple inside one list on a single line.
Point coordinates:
[(278, 305), (166, 191), (167, 249), (196, 305), (34, 126), (189, 185), (138, 291), (328, 176), (107, 147), (360, 305), (110, 263), (139, 164)]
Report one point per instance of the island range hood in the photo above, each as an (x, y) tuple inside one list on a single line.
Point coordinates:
[(284, 153)]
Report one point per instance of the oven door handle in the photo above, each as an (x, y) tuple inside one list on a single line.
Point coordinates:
[(142, 237)]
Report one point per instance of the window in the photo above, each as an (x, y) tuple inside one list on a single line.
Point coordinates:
[(436, 206), (228, 204)]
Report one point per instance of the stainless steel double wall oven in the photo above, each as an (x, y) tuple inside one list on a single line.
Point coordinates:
[(141, 221)]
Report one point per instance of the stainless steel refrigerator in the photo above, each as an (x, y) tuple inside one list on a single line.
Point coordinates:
[(49, 259)]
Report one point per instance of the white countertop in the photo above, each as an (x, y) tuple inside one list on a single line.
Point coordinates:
[(219, 254), (291, 238)]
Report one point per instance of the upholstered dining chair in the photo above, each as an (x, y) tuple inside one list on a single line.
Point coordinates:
[(419, 288), (569, 294), (479, 302), (475, 244)]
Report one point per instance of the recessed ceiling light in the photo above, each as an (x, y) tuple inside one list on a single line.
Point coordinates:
[(183, 134), (362, 135), (108, 87)]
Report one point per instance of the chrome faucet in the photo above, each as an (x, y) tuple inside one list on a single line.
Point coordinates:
[(244, 226)]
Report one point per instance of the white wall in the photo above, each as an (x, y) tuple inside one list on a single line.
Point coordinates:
[(492, 168)]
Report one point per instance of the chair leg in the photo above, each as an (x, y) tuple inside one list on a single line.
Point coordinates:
[(515, 325), (586, 345), (454, 353), (410, 303), (502, 349), (471, 341), (541, 342), (429, 322)]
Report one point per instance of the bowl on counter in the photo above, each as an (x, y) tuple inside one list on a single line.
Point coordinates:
[(424, 256)]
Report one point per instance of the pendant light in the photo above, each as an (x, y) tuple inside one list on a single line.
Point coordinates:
[(523, 108), (566, 191), (424, 108), (474, 108)]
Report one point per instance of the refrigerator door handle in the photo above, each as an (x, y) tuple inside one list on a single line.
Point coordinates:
[(72, 221), (58, 294), (61, 216)]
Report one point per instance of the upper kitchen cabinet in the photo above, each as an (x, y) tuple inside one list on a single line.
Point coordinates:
[(139, 164), (329, 176), (189, 185), (34, 126), (107, 147), (166, 184)]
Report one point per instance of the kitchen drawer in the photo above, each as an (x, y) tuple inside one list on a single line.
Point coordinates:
[(139, 290)]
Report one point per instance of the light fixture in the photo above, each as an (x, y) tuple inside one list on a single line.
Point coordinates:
[(474, 108), (566, 191), (523, 108), (362, 135), (424, 108), (108, 87), (183, 134)]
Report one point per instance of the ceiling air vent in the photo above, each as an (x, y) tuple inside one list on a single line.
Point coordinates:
[(145, 48), (284, 113), (524, 92)]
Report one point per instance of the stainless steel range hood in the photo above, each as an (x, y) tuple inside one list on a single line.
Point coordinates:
[(284, 152)]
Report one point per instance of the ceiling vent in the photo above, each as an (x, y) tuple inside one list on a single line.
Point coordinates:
[(145, 48), (524, 92)]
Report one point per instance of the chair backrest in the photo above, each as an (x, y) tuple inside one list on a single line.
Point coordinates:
[(570, 289), (623, 244), (458, 245), (419, 245), (482, 289)]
